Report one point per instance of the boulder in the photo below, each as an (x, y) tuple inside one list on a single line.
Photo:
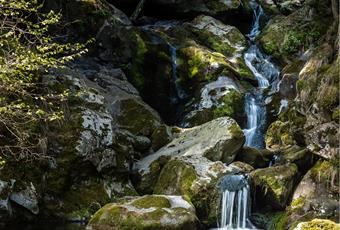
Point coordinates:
[(314, 197), (273, 186), (198, 179), (257, 158), (148, 212), (217, 140), (26, 198), (317, 224), (189, 55), (298, 30)]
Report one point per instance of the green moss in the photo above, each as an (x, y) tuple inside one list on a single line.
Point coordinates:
[(177, 177), (336, 115), (151, 201), (231, 105), (319, 224)]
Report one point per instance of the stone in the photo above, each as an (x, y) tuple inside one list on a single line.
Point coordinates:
[(217, 140), (26, 198), (147, 212), (273, 186), (255, 157), (317, 224)]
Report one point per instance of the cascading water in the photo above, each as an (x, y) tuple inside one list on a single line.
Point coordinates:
[(267, 76), (235, 203), (177, 91)]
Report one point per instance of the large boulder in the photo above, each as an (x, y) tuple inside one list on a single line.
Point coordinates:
[(314, 197), (273, 186), (198, 179), (189, 55), (151, 212), (287, 36), (217, 140)]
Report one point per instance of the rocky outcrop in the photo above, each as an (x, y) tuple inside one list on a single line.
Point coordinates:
[(273, 186), (314, 197), (218, 140), (148, 212), (299, 31)]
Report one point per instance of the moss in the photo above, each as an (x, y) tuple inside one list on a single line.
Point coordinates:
[(231, 106), (152, 201), (319, 224), (177, 177), (336, 115)]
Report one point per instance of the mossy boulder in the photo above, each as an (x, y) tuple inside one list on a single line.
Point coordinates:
[(298, 32), (279, 135), (148, 212), (188, 55), (316, 196), (258, 158), (222, 97), (273, 186), (197, 179), (217, 140), (317, 224)]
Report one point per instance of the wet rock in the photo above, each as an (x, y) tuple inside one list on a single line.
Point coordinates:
[(273, 186), (26, 198), (255, 157), (198, 179), (279, 135), (147, 212), (218, 140)]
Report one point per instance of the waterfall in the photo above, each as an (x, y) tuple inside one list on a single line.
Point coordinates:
[(177, 91), (235, 203), (267, 76)]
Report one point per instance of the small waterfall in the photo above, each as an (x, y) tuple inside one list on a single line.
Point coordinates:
[(267, 76), (177, 90), (235, 203)]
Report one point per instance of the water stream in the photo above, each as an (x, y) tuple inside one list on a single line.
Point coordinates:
[(267, 76), (235, 202)]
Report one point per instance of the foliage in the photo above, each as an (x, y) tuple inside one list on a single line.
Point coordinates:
[(27, 51)]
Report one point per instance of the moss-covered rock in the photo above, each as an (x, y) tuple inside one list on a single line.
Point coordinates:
[(317, 224), (316, 196), (279, 134), (148, 212), (255, 157), (217, 140), (274, 185), (299, 32), (197, 179)]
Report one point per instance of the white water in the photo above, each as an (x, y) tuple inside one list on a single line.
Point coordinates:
[(267, 76), (235, 203), (178, 91)]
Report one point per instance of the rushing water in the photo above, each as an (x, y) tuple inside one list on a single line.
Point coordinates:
[(235, 203), (267, 76), (177, 92)]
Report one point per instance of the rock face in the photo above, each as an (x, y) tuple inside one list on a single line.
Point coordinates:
[(295, 38), (314, 197), (274, 185), (218, 140), (148, 212)]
